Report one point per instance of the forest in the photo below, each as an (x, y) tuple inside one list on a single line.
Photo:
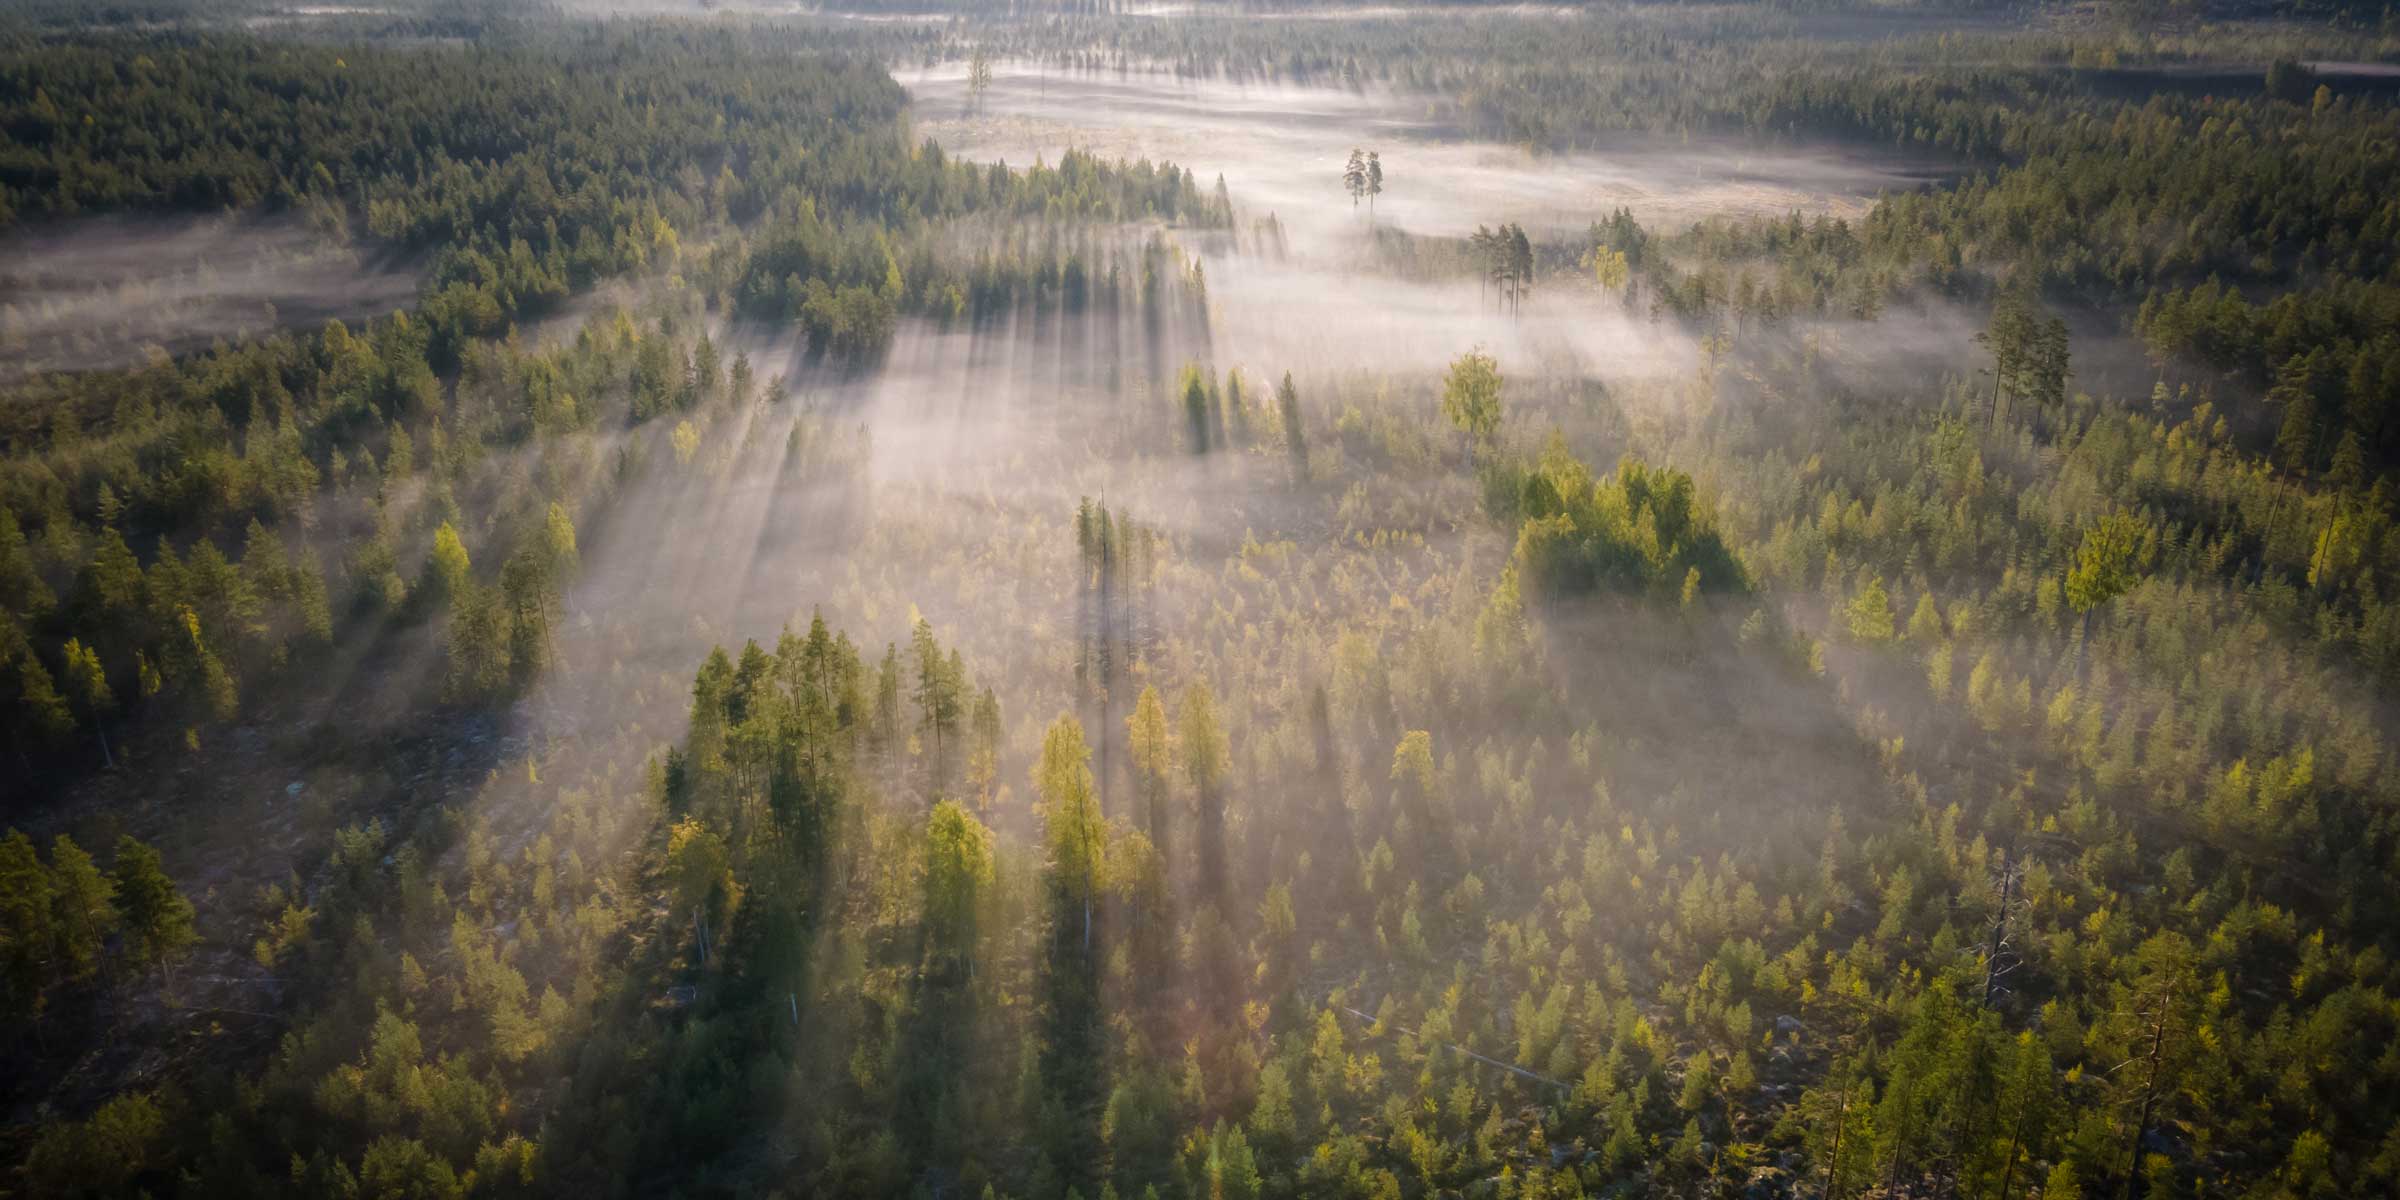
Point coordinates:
[(632, 597)]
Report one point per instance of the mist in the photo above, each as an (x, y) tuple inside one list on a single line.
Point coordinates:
[(1313, 698), (1280, 148), (943, 479), (95, 292)]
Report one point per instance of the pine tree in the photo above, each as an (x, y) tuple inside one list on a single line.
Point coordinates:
[(890, 743), (27, 926), (1073, 1061), (983, 756), (21, 586), (1072, 821), (1147, 738), (114, 578), (979, 74), (2154, 1022), (1520, 262), (958, 870), (1869, 613), (83, 908), (2106, 567), (1202, 746), (1237, 411), (1295, 440), (478, 638), (447, 571), (2009, 337), (940, 699), (87, 687), (43, 711), (2031, 1094), (739, 381), (1196, 410), (558, 544), (157, 919)]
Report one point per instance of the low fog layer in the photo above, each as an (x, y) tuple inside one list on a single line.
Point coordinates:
[(1315, 299), (1281, 150), (953, 470), (1347, 12), (1276, 316), (93, 293)]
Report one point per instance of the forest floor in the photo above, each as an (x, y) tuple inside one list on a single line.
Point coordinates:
[(252, 807)]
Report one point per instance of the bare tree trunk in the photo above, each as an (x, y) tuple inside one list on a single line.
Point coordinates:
[(2133, 1150), (1991, 958), (2008, 1170), (1833, 1166)]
